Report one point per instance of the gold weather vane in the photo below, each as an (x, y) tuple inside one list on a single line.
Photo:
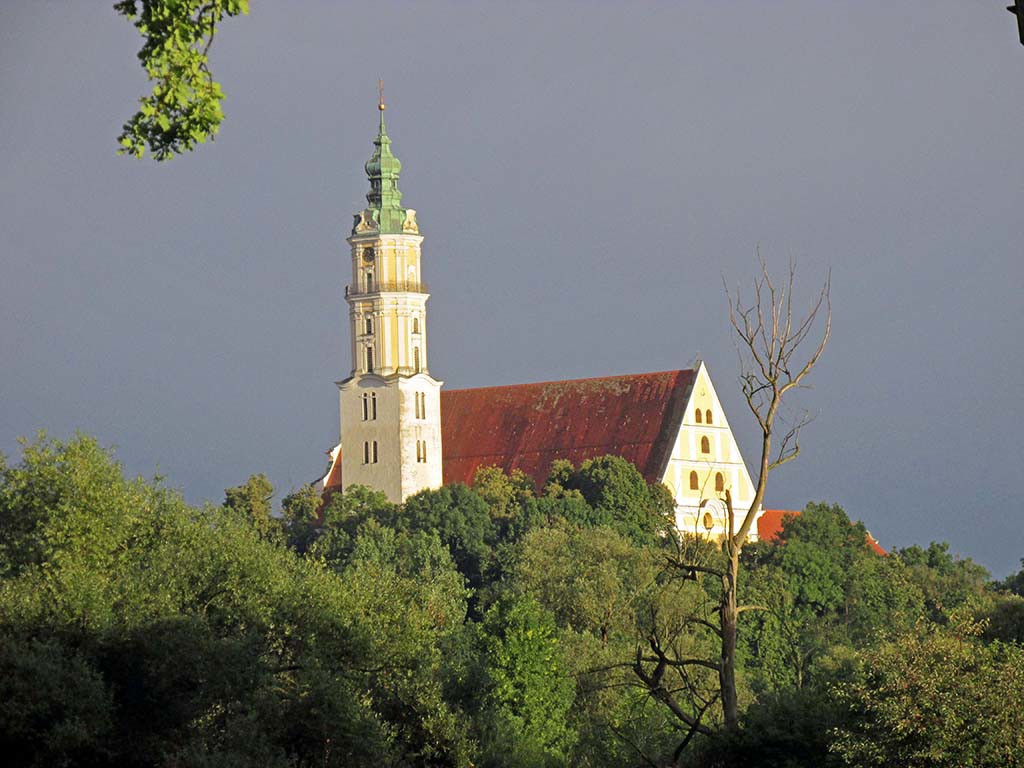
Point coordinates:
[(380, 95)]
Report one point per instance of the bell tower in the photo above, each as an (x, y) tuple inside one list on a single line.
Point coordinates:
[(390, 404)]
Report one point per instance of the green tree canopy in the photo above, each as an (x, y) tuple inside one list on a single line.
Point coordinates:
[(616, 496), (934, 698)]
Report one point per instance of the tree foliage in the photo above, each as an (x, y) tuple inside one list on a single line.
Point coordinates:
[(933, 698), (489, 626), (184, 107)]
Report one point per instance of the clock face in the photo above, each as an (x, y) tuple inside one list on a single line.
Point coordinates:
[(368, 255)]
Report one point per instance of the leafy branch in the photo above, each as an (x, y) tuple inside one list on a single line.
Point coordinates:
[(184, 107)]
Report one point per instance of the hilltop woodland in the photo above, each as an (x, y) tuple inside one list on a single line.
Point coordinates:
[(490, 625)]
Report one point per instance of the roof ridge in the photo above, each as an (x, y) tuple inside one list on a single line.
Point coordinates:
[(573, 381)]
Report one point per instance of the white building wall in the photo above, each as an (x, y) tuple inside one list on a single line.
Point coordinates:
[(698, 508)]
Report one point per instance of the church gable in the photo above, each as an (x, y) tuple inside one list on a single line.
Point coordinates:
[(528, 426), (705, 462)]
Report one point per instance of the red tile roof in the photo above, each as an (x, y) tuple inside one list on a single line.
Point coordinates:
[(769, 526), (875, 545), (528, 426), (333, 478)]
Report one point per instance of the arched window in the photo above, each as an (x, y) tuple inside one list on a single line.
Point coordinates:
[(373, 406), (719, 482), (366, 406), (369, 325), (416, 359), (705, 445), (698, 416), (369, 359), (415, 325), (694, 482), (707, 416)]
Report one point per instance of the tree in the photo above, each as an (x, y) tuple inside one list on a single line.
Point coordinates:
[(823, 585), (935, 697), (461, 518), (184, 107), (300, 511), (1014, 582), (55, 707), (343, 515), (530, 693), (947, 582), (408, 599), (616, 496), (774, 361), (253, 501), (133, 626), (510, 498)]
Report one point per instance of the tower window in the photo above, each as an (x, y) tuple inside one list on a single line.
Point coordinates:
[(705, 445), (421, 405), (373, 452), (369, 359), (694, 482), (707, 416), (369, 325), (416, 359), (421, 451), (366, 452), (415, 325), (369, 406), (369, 281), (698, 416), (719, 482)]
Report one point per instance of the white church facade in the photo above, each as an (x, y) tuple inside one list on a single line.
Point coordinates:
[(400, 433)]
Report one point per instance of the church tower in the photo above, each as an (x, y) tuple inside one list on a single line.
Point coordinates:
[(390, 404)]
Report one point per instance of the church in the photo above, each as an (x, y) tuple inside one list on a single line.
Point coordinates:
[(401, 433)]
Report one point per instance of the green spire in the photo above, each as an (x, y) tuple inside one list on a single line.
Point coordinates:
[(383, 169)]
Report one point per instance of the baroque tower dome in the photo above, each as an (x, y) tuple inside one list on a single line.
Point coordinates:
[(383, 169)]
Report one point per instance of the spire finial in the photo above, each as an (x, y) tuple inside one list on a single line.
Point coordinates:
[(380, 95)]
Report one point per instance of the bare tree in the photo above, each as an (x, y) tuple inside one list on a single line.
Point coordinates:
[(777, 353)]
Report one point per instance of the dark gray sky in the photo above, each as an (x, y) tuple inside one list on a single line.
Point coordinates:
[(585, 173)]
